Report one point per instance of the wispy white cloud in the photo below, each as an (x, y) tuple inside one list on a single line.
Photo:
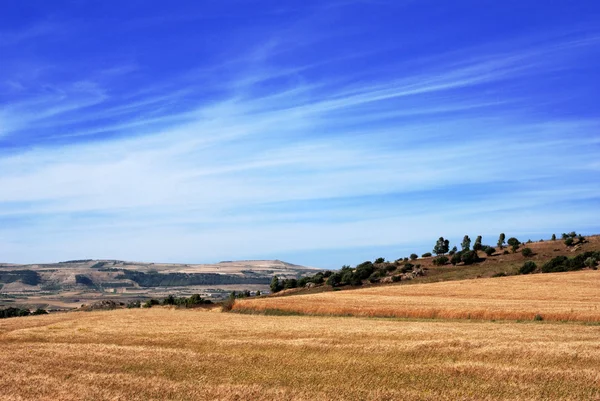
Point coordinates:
[(226, 175)]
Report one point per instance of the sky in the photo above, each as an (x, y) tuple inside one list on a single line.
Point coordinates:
[(321, 133)]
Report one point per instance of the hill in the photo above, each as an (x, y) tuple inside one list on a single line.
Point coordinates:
[(69, 284), (571, 296)]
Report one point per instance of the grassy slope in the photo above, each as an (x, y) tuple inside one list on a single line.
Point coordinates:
[(183, 355)]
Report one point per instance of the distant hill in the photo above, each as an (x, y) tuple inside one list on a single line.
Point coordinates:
[(76, 280)]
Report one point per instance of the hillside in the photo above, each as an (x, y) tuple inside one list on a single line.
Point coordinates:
[(499, 262), (571, 296), (71, 283)]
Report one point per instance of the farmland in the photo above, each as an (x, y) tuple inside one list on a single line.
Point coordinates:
[(161, 353), (571, 296)]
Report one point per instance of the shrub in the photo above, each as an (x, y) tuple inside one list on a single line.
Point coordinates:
[(426, 255), (40, 311), (364, 270), (334, 280), (440, 260), (528, 267), (557, 264), (150, 303), (380, 260), (538, 318), (505, 252), (489, 251), (374, 278), (453, 251), (501, 274), (396, 278), (527, 252), (590, 262), (414, 256), (569, 241), (390, 267), (553, 237), (469, 257), (407, 268), (456, 258)]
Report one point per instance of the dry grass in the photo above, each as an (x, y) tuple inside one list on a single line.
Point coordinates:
[(570, 296), (184, 355)]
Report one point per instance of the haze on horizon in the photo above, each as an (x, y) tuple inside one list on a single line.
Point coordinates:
[(320, 133)]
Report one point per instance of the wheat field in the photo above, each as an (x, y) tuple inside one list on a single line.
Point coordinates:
[(159, 353), (572, 296)]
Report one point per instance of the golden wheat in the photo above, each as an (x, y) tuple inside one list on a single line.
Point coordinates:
[(570, 296), (171, 354)]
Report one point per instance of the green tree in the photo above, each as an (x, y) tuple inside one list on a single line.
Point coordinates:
[(275, 284), (477, 245), (501, 240), (442, 246), (466, 243), (553, 237), (413, 256), (514, 243)]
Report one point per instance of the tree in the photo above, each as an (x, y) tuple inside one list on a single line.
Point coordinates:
[(453, 251), (501, 240), (553, 237), (466, 243), (514, 243), (441, 246), (413, 256), (477, 245), (258, 293), (291, 283), (275, 284)]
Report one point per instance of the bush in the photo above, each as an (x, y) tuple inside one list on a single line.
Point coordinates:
[(335, 280), (408, 267), (391, 267), (569, 241), (150, 303), (528, 267), (501, 274), (553, 237), (440, 260), (505, 252), (527, 252), (276, 285), (489, 251), (469, 257), (426, 255), (40, 311), (396, 278), (590, 262), (380, 260), (538, 318), (374, 278), (414, 256), (456, 258), (364, 270)]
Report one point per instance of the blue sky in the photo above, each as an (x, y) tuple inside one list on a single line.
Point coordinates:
[(318, 132)]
